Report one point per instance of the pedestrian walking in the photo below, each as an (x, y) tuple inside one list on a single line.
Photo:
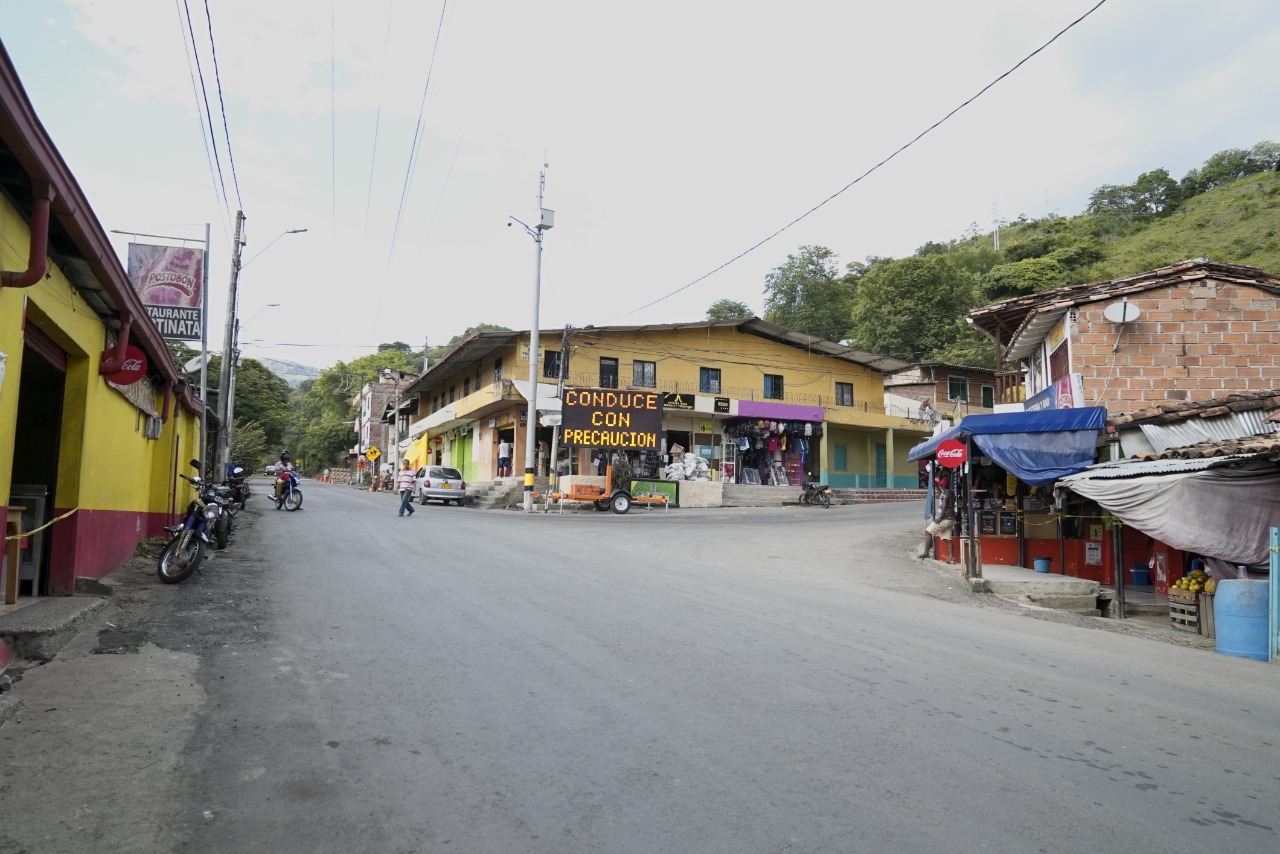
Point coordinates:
[(405, 484)]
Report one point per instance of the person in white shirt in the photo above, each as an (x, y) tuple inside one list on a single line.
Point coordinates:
[(405, 482), (504, 458)]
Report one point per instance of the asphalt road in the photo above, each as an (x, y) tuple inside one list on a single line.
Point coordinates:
[(750, 680)]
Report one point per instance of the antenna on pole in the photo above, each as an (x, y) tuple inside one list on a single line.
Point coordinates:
[(995, 220)]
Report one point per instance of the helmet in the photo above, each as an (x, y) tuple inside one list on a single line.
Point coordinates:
[(284, 456)]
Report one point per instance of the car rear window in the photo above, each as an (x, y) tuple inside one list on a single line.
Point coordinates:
[(450, 474)]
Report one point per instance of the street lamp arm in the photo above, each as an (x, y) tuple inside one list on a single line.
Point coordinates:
[(291, 231), (535, 235)]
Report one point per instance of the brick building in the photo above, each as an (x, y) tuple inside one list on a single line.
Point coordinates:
[(1192, 331), (952, 391)]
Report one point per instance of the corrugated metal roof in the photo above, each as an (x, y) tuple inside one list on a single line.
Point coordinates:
[(1138, 468), (1192, 431)]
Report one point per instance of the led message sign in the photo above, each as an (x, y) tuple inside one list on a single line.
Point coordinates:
[(611, 418)]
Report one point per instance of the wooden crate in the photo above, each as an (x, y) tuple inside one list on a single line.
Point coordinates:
[(1177, 594), (1184, 615), (1208, 627)]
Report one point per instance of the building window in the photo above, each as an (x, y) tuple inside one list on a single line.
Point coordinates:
[(453, 390), (842, 458), (844, 394), (551, 364), (608, 372), (709, 380), (773, 386), (644, 374), (466, 386), (958, 389), (497, 371), (989, 396)]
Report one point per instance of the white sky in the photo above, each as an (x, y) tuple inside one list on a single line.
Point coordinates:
[(678, 134)]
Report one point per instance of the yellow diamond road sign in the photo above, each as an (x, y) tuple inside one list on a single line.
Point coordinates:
[(373, 453)]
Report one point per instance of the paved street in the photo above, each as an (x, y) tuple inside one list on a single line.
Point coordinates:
[(735, 680)]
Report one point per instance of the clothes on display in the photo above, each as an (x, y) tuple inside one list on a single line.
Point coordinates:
[(772, 453)]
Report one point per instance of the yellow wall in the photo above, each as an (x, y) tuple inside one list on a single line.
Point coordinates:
[(105, 462)]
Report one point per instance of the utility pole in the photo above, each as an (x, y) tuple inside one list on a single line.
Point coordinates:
[(224, 377), (546, 220), (554, 479)]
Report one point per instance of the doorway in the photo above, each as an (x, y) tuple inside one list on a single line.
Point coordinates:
[(41, 387)]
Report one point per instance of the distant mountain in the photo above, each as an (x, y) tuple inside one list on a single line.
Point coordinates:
[(290, 372)]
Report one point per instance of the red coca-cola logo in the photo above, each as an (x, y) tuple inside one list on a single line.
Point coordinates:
[(952, 453), (128, 370)]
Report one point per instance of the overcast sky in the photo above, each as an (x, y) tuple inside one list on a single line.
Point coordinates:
[(678, 135)]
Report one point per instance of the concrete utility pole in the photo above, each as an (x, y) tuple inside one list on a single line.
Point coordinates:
[(546, 220), (224, 376)]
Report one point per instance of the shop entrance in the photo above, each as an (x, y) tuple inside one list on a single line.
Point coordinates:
[(41, 388)]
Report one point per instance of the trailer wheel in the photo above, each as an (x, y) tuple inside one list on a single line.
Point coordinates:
[(620, 502)]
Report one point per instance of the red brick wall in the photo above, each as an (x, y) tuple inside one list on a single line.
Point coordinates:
[(1192, 342)]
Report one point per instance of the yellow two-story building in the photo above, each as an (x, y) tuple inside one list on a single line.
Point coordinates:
[(759, 403)]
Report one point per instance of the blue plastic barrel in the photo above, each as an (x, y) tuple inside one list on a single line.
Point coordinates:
[(1041, 564), (1240, 617), (1139, 576)]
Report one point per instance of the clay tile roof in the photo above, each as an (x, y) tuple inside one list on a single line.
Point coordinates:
[(1169, 413)]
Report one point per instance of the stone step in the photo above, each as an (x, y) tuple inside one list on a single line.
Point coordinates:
[(36, 633)]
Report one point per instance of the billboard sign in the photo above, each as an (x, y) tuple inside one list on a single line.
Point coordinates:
[(612, 418), (170, 281)]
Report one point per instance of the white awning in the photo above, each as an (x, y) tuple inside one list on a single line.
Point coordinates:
[(547, 400)]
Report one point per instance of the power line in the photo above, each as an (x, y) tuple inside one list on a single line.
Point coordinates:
[(417, 135), (377, 119), (873, 169), (204, 136), (222, 106), (204, 96)]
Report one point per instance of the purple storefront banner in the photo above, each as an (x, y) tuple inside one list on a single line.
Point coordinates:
[(781, 411), (170, 280)]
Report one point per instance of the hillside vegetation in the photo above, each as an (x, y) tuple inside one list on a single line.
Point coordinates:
[(913, 308)]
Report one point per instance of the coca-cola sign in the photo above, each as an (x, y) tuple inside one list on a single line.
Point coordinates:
[(125, 371), (951, 453)]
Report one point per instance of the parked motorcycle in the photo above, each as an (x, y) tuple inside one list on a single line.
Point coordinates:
[(290, 493), (812, 493), (185, 551), (237, 479), (220, 494)]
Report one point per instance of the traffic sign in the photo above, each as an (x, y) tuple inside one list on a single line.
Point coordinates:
[(373, 454)]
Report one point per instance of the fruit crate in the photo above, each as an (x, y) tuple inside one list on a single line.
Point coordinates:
[(1184, 615)]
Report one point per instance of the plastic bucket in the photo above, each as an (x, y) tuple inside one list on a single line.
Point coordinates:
[(1138, 575), (1240, 617), (1042, 564)]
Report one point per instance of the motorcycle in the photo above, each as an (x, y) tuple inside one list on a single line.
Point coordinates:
[(185, 551), (237, 481), (289, 494), (812, 493)]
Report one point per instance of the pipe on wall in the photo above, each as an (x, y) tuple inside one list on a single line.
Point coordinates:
[(38, 257)]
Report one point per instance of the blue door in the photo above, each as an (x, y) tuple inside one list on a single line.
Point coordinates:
[(882, 467)]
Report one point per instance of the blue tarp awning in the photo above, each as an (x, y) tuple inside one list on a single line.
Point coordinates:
[(1036, 447)]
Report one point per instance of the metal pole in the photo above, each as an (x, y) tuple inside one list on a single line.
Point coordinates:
[(553, 480), (224, 377), (531, 429), (204, 355)]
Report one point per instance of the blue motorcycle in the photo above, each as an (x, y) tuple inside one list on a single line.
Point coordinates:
[(185, 551), (288, 494)]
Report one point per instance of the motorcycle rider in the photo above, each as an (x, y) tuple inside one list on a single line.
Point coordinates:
[(285, 465)]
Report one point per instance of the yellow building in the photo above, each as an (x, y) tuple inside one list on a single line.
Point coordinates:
[(742, 394), (95, 422)]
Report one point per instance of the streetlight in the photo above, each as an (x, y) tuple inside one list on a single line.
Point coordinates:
[(546, 220), (225, 387)]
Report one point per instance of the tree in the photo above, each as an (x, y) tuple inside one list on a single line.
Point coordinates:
[(728, 309), (249, 445), (262, 398), (1029, 276), (908, 308), (808, 294)]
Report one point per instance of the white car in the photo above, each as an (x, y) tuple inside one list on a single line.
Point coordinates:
[(441, 483), (271, 468)]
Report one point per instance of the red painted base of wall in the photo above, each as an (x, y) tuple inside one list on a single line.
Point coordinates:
[(92, 543)]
